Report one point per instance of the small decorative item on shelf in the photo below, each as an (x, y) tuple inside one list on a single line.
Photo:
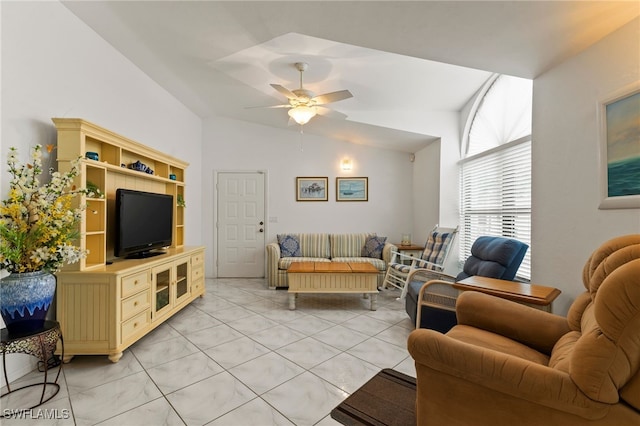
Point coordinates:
[(124, 166), (92, 155), (139, 166), (172, 176), (180, 201), (405, 240), (93, 190), (37, 228)]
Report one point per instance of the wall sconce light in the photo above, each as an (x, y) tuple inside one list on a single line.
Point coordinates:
[(346, 165)]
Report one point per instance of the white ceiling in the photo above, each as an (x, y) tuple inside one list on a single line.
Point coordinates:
[(408, 64)]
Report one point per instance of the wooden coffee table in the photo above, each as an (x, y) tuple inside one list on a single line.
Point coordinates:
[(333, 277)]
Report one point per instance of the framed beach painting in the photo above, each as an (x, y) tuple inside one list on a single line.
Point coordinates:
[(352, 189), (619, 120), (311, 188)]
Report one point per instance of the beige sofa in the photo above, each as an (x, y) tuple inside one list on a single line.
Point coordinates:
[(320, 247)]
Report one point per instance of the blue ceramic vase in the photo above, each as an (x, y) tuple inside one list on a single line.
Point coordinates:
[(25, 299)]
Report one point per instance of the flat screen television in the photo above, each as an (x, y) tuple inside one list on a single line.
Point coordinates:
[(144, 223)]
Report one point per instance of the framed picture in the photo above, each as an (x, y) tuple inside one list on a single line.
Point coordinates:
[(619, 137), (311, 188), (352, 189)]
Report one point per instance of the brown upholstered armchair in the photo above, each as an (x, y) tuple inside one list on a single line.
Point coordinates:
[(506, 363)]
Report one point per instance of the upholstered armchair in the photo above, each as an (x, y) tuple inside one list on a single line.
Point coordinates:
[(508, 364), (431, 300)]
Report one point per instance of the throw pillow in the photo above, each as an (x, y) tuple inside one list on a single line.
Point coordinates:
[(373, 247), (289, 245)]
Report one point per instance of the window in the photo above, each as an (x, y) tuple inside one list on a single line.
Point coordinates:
[(495, 173)]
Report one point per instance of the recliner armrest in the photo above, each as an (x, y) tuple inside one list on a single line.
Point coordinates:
[(532, 327)]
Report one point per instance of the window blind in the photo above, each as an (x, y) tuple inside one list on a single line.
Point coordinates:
[(496, 197)]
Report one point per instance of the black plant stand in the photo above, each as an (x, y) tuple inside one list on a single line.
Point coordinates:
[(40, 343)]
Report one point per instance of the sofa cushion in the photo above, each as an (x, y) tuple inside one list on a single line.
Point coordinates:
[(289, 245), (436, 249), (373, 247), (347, 245), (314, 245), (378, 263)]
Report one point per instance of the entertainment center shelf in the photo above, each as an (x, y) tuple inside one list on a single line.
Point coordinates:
[(78, 138), (106, 303)]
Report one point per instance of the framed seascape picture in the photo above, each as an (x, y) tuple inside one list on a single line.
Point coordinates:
[(619, 137), (311, 188), (352, 189)]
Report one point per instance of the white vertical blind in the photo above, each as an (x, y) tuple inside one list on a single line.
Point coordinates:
[(495, 176), (496, 197)]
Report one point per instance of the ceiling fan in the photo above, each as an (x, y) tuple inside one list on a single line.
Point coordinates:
[(304, 104)]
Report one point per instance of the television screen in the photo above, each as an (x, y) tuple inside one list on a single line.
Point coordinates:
[(144, 222)]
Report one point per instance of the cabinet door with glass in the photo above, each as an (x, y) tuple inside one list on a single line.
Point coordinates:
[(182, 281), (162, 279)]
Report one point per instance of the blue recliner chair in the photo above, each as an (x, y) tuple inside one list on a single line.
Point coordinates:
[(492, 257)]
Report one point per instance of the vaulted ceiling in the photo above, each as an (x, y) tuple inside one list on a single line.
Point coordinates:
[(409, 65)]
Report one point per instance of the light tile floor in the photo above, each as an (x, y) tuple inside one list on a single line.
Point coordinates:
[(238, 356)]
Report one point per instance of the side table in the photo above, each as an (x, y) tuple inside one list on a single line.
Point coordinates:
[(411, 250), (536, 296), (40, 343)]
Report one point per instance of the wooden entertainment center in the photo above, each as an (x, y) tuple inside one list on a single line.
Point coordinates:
[(105, 304)]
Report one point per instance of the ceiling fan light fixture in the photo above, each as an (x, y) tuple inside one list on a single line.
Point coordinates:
[(302, 114)]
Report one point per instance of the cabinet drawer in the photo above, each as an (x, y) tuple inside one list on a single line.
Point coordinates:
[(135, 283), (197, 259), (197, 273), (197, 287), (135, 304), (136, 325)]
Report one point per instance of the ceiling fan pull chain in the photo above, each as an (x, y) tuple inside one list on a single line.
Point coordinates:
[(301, 138)]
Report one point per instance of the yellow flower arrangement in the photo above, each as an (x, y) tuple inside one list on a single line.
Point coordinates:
[(38, 222)]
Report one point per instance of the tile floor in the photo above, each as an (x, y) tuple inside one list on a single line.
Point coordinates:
[(238, 356)]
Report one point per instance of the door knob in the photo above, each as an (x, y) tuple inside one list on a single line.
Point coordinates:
[(261, 230), (261, 223)]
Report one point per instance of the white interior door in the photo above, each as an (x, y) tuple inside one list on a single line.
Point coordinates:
[(241, 224)]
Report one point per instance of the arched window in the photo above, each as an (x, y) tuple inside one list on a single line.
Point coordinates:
[(495, 173)]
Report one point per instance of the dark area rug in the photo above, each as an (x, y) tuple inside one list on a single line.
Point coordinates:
[(389, 398)]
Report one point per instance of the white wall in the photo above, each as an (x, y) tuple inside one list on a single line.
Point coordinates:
[(426, 191), (567, 224), (236, 145), (436, 184), (53, 65)]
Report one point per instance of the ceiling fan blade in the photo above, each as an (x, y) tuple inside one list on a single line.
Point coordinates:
[(270, 106), (330, 113), (283, 90), (332, 97)]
